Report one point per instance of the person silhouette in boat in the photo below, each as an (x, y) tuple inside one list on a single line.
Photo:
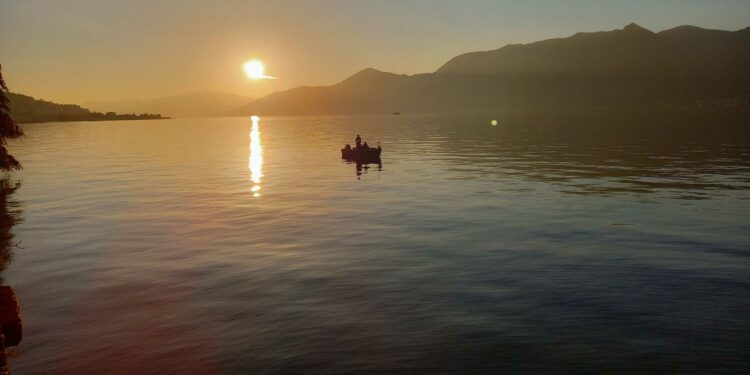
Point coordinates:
[(358, 142), (365, 146)]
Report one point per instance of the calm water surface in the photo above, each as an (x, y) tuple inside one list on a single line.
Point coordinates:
[(551, 243)]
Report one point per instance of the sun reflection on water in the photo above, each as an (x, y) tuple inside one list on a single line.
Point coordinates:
[(256, 157)]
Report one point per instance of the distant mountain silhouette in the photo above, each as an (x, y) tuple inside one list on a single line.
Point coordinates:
[(25, 109), (194, 104), (632, 50), (686, 66)]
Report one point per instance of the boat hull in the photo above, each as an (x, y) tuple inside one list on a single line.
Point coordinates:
[(368, 154)]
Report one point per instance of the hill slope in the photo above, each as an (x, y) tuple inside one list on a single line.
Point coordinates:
[(686, 65), (25, 109)]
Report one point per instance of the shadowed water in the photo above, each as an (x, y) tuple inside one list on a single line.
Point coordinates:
[(552, 242)]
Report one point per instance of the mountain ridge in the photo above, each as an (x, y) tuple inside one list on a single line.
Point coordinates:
[(684, 66)]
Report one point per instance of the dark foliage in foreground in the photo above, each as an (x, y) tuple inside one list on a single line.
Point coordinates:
[(8, 129)]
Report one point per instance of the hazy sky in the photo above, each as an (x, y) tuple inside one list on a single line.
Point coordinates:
[(77, 50)]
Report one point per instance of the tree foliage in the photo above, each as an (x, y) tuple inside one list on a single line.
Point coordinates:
[(8, 129)]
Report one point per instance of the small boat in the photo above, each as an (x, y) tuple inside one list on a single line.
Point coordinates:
[(396, 113), (361, 154)]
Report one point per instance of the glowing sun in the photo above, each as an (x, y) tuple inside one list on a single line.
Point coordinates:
[(254, 69)]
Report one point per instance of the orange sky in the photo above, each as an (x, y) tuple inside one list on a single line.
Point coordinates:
[(72, 51)]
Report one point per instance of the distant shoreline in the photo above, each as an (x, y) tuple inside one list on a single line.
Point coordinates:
[(634, 117), (655, 108), (25, 122), (25, 109)]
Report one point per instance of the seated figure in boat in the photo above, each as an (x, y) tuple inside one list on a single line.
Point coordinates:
[(365, 146), (348, 147)]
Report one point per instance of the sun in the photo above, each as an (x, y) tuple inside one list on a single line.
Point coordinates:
[(254, 69)]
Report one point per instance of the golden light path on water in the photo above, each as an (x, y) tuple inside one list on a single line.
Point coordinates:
[(256, 157)]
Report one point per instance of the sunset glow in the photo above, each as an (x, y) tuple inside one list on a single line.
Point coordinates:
[(254, 69)]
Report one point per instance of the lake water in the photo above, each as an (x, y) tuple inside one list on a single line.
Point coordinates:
[(582, 242)]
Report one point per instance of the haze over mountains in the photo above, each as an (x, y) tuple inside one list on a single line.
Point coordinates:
[(197, 104), (685, 66), (194, 104)]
